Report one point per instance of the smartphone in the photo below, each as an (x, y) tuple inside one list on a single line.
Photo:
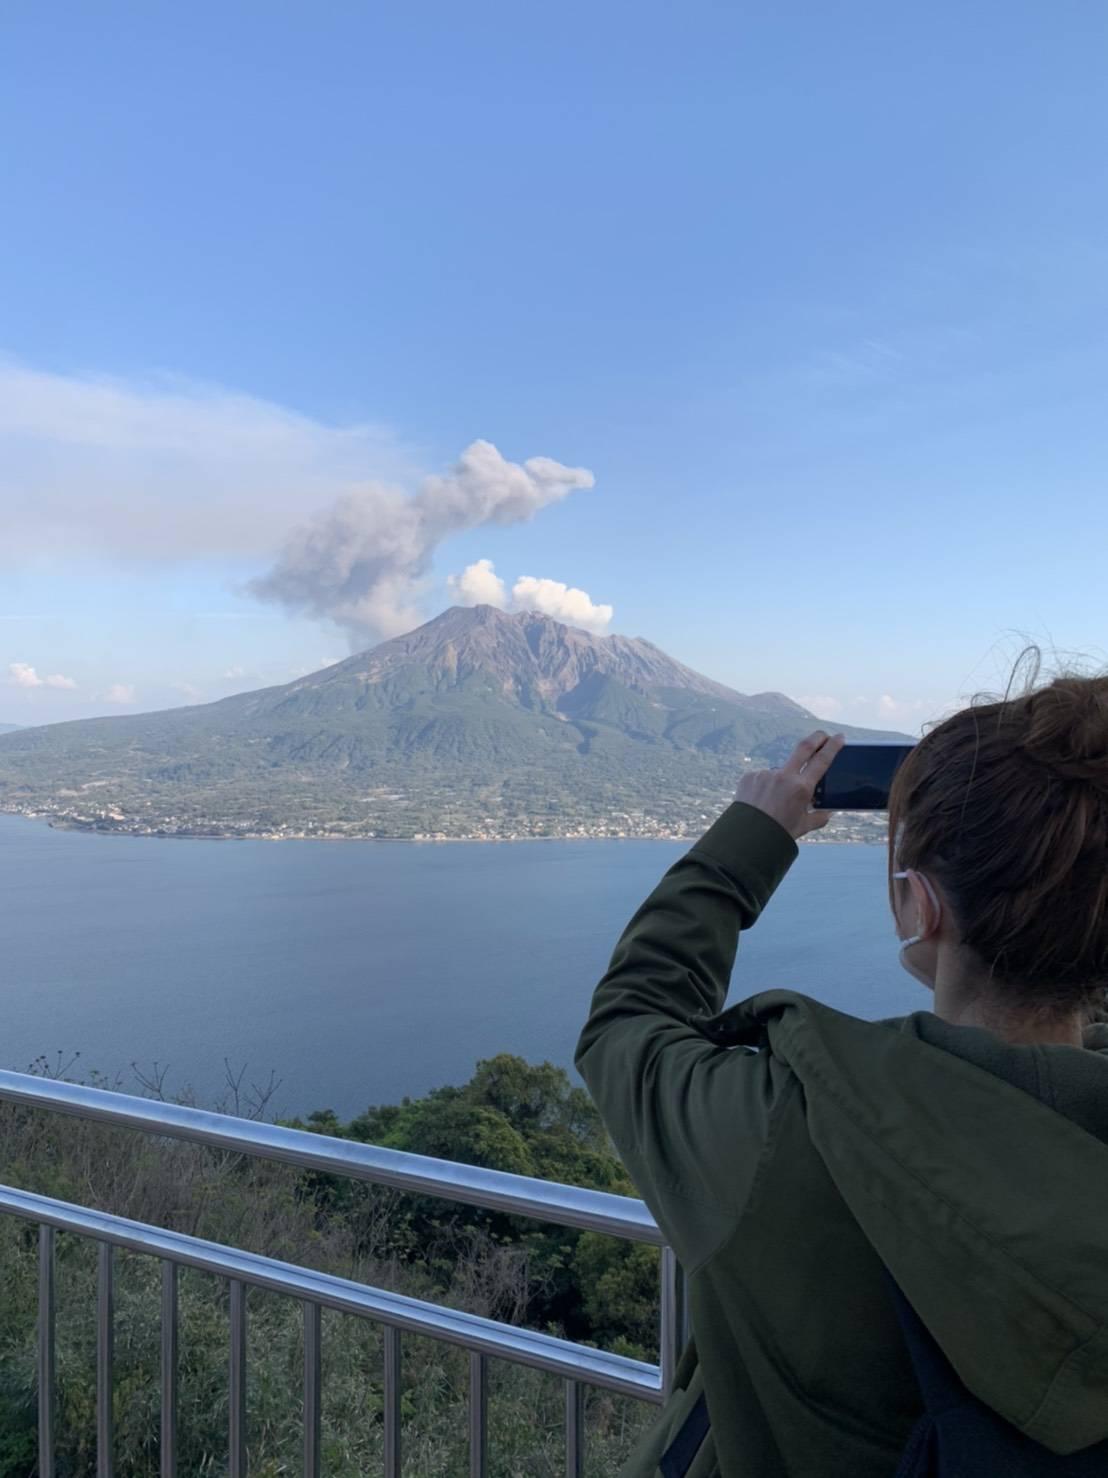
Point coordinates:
[(860, 777)]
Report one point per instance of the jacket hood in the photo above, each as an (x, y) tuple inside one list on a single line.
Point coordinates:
[(979, 1173)]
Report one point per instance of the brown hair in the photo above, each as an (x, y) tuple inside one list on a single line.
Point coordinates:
[(1005, 805)]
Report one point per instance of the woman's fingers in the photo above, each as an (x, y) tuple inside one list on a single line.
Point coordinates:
[(803, 753), (817, 819), (822, 760), (813, 757), (786, 794)]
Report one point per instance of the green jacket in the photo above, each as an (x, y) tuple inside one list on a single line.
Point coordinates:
[(786, 1173)]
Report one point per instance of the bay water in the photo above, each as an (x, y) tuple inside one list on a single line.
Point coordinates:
[(358, 972)]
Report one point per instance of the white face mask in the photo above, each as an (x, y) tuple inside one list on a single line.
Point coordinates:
[(915, 938)]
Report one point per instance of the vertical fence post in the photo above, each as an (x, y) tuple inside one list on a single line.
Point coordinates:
[(670, 1334), (168, 1465), (313, 1358), (575, 1429), (392, 1401), (105, 1330), (237, 1433), (478, 1415), (684, 1319), (46, 1356)]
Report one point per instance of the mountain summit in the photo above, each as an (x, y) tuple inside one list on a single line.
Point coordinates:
[(535, 659), (479, 723)]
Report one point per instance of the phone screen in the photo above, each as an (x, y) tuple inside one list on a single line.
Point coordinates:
[(860, 777)]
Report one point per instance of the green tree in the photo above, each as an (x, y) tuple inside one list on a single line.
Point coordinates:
[(529, 1119)]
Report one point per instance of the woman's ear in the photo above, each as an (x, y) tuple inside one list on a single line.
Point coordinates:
[(926, 904)]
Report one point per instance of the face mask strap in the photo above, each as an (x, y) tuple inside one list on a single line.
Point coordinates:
[(916, 938)]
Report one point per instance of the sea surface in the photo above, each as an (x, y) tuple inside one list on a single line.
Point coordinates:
[(358, 972)]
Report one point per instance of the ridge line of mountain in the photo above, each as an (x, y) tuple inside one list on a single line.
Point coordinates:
[(480, 724)]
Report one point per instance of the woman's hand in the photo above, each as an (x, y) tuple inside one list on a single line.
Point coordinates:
[(786, 794)]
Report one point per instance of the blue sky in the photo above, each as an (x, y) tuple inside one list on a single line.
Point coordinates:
[(817, 293)]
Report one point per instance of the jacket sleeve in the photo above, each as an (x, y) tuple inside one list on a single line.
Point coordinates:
[(689, 1118)]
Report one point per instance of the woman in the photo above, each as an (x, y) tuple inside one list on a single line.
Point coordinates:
[(964, 1148)]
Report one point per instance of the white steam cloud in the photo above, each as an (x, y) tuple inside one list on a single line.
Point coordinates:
[(564, 602), (479, 584), (23, 675), (363, 562)]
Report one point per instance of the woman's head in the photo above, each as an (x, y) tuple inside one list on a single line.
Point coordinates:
[(1005, 807)]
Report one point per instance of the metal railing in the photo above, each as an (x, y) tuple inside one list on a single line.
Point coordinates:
[(578, 1365)]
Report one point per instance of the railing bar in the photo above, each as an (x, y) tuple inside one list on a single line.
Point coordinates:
[(313, 1361), (168, 1466), (537, 1351), (237, 1424), (670, 1320), (478, 1415), (496, 1190), (46, 1352), (392, 1401), (105, 1328), (575, 1429)]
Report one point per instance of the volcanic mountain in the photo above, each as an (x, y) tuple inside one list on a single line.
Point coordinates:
[(479, 723)]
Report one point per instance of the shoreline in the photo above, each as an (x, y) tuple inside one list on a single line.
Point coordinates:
[(92, 829)]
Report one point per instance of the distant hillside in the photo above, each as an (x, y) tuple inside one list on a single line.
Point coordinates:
[(8, 728), (479, 723)]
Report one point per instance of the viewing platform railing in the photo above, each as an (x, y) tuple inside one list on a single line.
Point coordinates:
[(578, 1365)]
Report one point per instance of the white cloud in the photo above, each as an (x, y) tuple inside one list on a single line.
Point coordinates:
[(120, 693), (886, 711), (564, 602), (165, 468), (899, 708), (233, 672), (822, 705), (187, 690), (479, 585), (23, 675)]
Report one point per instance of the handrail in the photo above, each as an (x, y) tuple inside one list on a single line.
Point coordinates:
[(495, 1190), (413, 1315), (578, 1365)]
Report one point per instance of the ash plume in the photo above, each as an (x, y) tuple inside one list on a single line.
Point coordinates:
[(363, 562)]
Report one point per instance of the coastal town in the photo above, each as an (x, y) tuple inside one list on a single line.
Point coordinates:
[(865, 827)]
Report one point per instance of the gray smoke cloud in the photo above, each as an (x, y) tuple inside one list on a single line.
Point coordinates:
[(363, 562)]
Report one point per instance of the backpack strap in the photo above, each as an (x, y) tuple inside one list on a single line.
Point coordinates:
[(678, 1456), (958, 1436)]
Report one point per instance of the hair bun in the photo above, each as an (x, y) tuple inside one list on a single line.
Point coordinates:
[(1006, 803), (1068, 730)]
